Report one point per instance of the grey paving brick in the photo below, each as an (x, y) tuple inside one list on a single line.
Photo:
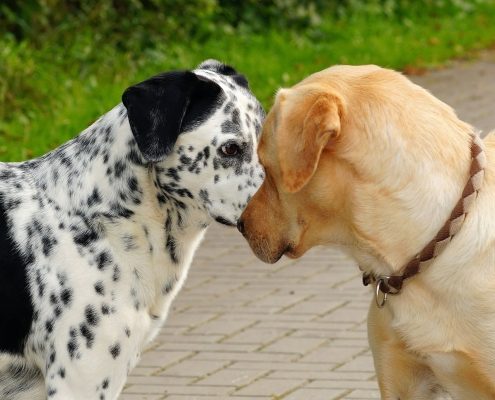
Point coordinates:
[(194, 368), (270, 387), (232, 377), (315, 394)]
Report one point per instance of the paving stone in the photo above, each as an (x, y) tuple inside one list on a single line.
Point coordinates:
[(226, 347), (141, 396), (189, 319), (283, 366), (313, 308), (163, 358), (194, 368), (320, 379), (232, 377), (158, 380), (257, 336), (222, 327), (343, 384), (332, 354), (294, 345), (315, 394), (254, 356), (195, 397), (186, 389), (361, 364), (363, 394), (270, 387)]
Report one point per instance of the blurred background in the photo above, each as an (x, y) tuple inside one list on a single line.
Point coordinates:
[(65, 62)]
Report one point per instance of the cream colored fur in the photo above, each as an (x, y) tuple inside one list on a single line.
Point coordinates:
[(381, 187)]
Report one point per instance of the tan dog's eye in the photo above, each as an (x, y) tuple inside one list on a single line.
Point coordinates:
[(230, 149)]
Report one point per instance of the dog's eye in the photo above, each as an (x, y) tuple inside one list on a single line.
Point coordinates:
[(230, 149)]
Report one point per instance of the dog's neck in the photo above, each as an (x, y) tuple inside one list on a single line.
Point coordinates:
[(102, 173), (103, 191), (422, 201)]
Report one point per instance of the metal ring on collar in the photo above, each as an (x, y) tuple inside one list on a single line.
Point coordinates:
[(378, 290)]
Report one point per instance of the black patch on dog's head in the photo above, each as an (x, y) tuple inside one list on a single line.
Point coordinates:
[(162, 107), (217, 66)]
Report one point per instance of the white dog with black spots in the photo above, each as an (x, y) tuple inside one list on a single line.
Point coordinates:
[(97, 236)]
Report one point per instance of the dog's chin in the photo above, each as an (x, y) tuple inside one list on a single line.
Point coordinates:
[(224, 221), (268, 256)]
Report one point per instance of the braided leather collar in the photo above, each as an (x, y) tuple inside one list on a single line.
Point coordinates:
[(393, 284)]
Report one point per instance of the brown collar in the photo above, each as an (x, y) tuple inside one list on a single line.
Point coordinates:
[(393, 284)]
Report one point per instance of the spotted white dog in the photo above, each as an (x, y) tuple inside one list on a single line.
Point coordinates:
[(96, 237)]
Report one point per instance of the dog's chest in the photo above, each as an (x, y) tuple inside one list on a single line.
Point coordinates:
[(157, 260), (426, 325), (125, 271), (450, 335)]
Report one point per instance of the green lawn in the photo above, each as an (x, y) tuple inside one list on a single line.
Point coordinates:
[(50, 93)]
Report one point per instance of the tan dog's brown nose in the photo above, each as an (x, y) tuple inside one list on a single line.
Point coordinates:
[(240, 225)]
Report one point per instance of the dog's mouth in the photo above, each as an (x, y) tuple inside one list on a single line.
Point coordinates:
[(290, 252), (293, 251), (224, 221)]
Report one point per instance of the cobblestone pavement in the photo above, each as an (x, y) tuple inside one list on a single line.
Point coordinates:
[(296, 330)]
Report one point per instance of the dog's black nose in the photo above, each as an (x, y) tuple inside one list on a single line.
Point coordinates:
[(240, 225)]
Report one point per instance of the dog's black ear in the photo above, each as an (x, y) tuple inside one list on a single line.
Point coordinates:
[(217, 66), (162, 107)]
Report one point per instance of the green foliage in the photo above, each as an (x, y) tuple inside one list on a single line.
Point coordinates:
[(177, 19), (129, 23), (64, 63)]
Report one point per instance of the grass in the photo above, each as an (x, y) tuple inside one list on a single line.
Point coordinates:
[(50, 93)]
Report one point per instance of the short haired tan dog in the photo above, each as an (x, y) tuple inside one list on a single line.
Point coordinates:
[(361, 158)]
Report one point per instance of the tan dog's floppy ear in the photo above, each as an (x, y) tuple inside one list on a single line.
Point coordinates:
[(299, 150)]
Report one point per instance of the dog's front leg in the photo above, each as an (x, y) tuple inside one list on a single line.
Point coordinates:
[(91, 360), (87, 379), (464, 376), (401, 374)]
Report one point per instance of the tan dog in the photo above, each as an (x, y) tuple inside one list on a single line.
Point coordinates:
[(361, 158)]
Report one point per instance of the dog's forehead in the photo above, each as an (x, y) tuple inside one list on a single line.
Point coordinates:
[(242, 114), (230, 87), (225, 81)]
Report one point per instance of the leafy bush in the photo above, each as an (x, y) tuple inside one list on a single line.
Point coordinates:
[(128, 23), (15, 73), (139, 22)]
